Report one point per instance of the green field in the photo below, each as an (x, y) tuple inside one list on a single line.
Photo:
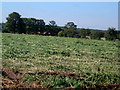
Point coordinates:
[(97, 60)]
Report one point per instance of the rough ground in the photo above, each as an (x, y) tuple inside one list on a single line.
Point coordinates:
[(14, 79)]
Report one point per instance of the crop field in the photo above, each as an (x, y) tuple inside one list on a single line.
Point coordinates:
[(95, 61)]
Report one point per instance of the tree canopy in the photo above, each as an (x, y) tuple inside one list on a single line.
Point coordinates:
[(16, 24), (111, 34), (71, 25)]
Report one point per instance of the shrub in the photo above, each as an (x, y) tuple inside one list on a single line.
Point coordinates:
[(84, 32), (68, 32), (110, 34), (60, 34), (96, 34)]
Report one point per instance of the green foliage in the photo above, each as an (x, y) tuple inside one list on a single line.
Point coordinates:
[(58, 81), (52, 30), (65, 53), (68, 32), (52, 23), (118, 35), (14, 23), (47, 52), (71, 25), (110, 34), (93, 61), (95, 34), (4, 27), (61, 33), (34, 25), (103, 78), (84, 32)]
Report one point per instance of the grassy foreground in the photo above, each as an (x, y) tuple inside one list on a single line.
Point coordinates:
[(96, 61)]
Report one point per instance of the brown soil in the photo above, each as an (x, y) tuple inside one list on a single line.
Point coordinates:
[(14, 79)]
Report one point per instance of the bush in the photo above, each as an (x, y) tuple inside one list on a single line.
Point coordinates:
[(96, 34), (118, 36), (84, 32), (76, 36), (110, 34), (68, 32), (60, 34)]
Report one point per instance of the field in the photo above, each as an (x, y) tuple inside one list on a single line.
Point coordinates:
[(94, 61)]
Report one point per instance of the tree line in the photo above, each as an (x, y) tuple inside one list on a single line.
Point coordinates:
[(16, 24)]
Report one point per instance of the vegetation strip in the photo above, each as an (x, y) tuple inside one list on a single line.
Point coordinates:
[(65, 62), (10, 83), (15, 24)]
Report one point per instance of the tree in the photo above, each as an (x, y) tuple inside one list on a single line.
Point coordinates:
[(84, 32), (34, 25), (52, 30), (71, 25), (40, 25), (110, 34), (21, 26), (118, 35), (14, 23), (2, 26), (52, 23), (56, 29), (29, 24), (61, 33), (68, 32), (96, 34)]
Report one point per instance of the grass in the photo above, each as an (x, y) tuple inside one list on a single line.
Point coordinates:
[(88, 79), (33, 53)]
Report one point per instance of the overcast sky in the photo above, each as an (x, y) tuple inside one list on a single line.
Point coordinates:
[(99, 15)]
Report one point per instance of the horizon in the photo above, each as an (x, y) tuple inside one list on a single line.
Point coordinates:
[(92, 15)]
